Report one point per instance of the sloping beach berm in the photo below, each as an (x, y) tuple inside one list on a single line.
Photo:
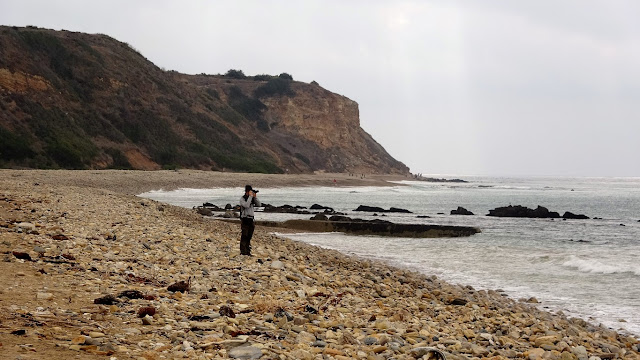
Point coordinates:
[(68, 238)]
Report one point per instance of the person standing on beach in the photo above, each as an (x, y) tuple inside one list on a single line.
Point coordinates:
[(247, 203)]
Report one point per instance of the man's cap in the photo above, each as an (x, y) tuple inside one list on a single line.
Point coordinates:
[(248, 188)]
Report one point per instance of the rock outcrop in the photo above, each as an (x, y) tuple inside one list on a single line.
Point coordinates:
[(377, 209), (522, 211), (373, 227), (461, 211), (570, 215)]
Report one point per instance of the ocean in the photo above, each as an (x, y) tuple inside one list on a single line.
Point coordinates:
[(584, 268)]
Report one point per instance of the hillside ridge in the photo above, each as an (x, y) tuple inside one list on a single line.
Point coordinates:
[(80, 101)]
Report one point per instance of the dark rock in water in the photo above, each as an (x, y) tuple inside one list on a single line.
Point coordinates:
[(461, 211), (132, 294), (423, 217), (180, 286), (319, 207), (211, 207), (369, 208), (543, 212), (286, 209), (432, 179), (623, 225), (570, 215), (377, 221), (522, 211), (227, 311), (204, 211), (373, 227), (440, 214), (229, 214), (322, 217), (340, 218), (228, 207), (22, 255), (106, 300), (379, 209)]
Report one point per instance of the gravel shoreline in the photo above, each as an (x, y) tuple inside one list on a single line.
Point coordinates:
[(69, 238), (134, 182)]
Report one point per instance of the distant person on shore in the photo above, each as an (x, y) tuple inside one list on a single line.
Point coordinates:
[(247, 203)]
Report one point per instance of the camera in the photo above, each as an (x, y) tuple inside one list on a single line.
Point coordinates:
[(255, 191)]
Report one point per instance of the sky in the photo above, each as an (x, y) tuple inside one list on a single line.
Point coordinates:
[(449, 87)]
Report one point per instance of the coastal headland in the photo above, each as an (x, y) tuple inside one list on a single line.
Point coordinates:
[(91, 271)]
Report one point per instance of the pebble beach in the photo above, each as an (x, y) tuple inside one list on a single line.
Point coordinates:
[(90, 271)]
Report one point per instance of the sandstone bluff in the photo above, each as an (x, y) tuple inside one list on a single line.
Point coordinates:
[(80, 101)]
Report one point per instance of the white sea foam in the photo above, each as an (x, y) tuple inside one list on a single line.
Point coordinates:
[(597, 267)]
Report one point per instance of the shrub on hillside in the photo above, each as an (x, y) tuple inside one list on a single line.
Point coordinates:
[(285, 76), (68, 153), (13, 147), (275, 86), (263, 77), (236, 74), (120, 161), (60, 59), (248, 107), (213, 93), (303, 158)]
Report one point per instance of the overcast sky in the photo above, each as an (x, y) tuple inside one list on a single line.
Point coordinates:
[(536, 87)]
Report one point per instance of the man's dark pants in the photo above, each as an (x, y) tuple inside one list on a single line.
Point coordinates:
[(247, 228)]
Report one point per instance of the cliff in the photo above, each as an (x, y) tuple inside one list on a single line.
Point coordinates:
[(74, 100)]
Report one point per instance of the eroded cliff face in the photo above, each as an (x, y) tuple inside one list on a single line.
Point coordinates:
[(317, 115), (73, 100), (331, 124), (319, 128), (22, 83)]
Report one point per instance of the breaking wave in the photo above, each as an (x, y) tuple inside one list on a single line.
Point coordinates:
[(596, 267)]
